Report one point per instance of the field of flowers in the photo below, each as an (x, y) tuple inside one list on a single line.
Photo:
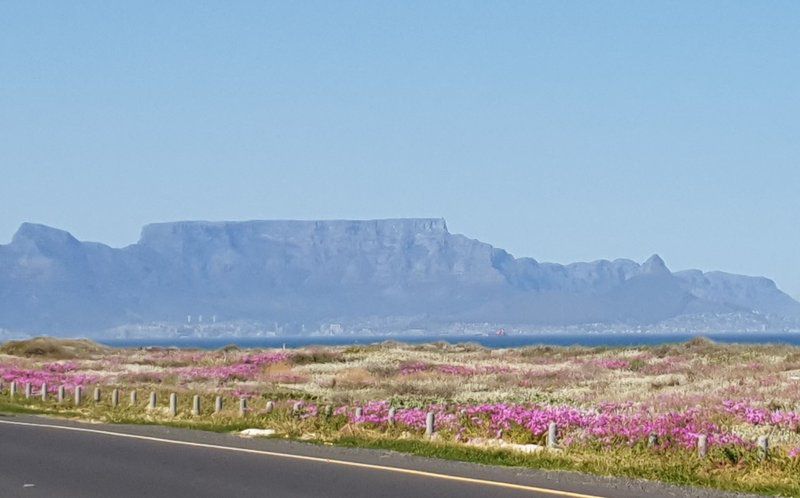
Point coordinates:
[(626, 407)]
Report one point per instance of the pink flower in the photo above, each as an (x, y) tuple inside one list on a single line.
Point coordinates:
[(612, 364)]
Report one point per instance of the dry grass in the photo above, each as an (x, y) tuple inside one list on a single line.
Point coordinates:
[(661, 379), (667, 375), (54, 349)]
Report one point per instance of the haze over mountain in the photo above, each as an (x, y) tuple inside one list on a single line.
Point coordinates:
[(307, 273)]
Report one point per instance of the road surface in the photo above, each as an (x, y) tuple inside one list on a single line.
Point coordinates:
[(46, 457)]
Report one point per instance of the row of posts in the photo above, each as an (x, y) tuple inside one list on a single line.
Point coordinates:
[(762, 444), (152, 402), (173, 404)]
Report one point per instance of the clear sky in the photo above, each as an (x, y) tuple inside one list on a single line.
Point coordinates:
[(558, 130)]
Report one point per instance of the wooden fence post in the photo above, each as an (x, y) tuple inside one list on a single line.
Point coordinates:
[(552, 435), (430, 424), (702, 445), (763, 447)]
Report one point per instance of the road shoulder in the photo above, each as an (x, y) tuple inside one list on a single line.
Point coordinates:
[(571, 482)]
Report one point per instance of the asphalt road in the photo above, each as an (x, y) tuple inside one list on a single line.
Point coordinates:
[(43, 457)]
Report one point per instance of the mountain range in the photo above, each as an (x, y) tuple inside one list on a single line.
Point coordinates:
[(308, 273)]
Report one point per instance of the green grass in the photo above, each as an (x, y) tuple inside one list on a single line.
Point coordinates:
[(674, 467), (16, 408)]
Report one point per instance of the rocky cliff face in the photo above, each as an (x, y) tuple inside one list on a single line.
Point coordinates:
[(311, 271)]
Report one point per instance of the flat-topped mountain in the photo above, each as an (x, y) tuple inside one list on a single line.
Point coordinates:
[(313, 272)]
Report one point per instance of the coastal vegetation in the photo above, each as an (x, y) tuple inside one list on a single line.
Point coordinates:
[(633, 411)]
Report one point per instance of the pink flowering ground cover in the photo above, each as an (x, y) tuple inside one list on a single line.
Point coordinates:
[(53, 375), (606, 427), (602, 397), (641, 410), (246, 368)]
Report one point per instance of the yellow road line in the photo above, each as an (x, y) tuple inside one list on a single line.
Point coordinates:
[(346, 463)]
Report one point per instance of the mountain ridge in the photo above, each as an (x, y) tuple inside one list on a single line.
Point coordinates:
[(316, 271)]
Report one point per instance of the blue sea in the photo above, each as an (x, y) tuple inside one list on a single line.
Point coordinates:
[(492, 341)]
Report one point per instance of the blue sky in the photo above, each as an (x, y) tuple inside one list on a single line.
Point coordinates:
[(559, 130)]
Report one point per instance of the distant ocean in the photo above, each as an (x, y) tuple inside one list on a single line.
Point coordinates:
[(508, 341)]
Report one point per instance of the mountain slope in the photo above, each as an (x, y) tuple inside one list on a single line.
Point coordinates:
[(315, 271)]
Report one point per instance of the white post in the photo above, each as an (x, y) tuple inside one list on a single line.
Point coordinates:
[(115, 398), (28, 390), (270, 406), (359, 414), (134, 398), (430, 424), (702, 445), (196, 405), (218, 404), (62, 393), (96, 395), (390, 417), (173, 404), (763, 447), (12, 389), (78, 395), (153, 401), (44, 391), (296, 408), (242, 406), (552, 435), (652, 440)]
